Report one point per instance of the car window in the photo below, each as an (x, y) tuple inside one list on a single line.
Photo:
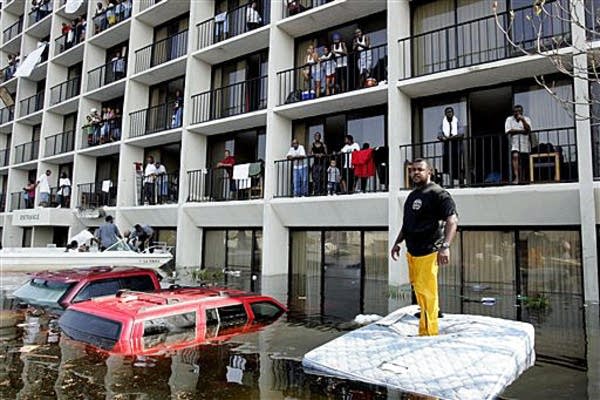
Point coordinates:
[(98, 289), (43, 292), (91, 329), (142, 283), (169, 329), (265, 311)]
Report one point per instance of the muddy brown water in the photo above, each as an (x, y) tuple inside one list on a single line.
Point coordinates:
[(37, 362)]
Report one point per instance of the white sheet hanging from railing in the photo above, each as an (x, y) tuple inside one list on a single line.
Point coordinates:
[(72, 6), (27, 65)]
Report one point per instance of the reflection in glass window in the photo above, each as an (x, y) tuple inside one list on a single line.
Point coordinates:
[(169, 329), (265, 311), (98, 289)]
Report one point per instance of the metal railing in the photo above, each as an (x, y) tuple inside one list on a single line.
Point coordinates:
[(7, 73), (93, 195), (162, 51), (235, 99), (294, 7), (312, 176), (155, 119), (216, 184), (544, 156), (596, 149), (481, 40), (4, 157), (27, 151), (59, 143), (107, 73), (13, 30), (65, 90), (592, 19), (144, 4), (20, 201), (105, 132), (355, 71), (162, 189), (7, 114), (2, 202), (66, 41), (31, 104), (112, 16), (232, 23), (40, 12)]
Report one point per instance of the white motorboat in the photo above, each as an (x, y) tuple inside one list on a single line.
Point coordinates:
[(34, 259)]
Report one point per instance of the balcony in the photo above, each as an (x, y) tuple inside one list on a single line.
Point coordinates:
[(229, 24), (144, 4), (485, 160), (31, 104), (358, 70), (112, 16), (210, 185), (27, 152), (155, 119), (236, 99), (18, 201), (7, 73), (7, 114), (596, 149), (161, 52), (309, 177), (65, 90), (39, 13), (60, 143), (2, 202), (481, 41), (12, 31), (4, 157), (94, 195), (107, 73), (68, 41), (164, 190), (296, 7), (104, 132)]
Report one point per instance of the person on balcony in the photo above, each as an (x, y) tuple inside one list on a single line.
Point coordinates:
[(149, 181), (253, 18), (294, 7), (319, 151), (100, 18), (64, 190), (227, 164), (340, 52), (297, 156), (518, 128), (364, 165), (347, 182), (162, 182), (176, 119), (115, 125), (451, 136), (309, 72), (118, 66), (362, 45), (126, 8), (333, 178), (107, 117), (29, 194), (327, 61), (111, 17), (44, 186)]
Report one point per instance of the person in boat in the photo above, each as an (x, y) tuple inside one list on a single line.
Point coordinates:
[(72, 247), (108, 233), (427, 209), (139, 237)]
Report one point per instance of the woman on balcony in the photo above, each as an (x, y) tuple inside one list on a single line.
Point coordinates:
[(328, 69), (310, 71), (176, 119), (319, 152), (362, 45), (340, 52)]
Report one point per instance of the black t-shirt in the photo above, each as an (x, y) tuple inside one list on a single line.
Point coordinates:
[(425, 210)]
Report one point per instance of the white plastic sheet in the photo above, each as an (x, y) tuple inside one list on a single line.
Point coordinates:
[(27, 65), (72, 6)]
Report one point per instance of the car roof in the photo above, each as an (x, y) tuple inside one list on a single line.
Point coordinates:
[(140, 305), (90, 273)]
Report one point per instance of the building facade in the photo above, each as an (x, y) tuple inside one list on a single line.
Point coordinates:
[(184, 81)]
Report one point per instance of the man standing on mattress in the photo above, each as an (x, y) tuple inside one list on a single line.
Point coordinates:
[(429, 225)]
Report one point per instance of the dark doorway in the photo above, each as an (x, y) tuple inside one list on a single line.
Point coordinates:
[(60, 236)]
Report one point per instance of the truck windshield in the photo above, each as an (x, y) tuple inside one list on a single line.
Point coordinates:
[(91, 329), (43, 292)]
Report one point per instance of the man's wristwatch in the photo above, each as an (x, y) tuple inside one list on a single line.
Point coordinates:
[(445, 245)]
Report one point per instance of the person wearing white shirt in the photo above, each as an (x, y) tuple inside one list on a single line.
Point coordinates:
[(347, 183), (150, 173), (162, 181), (297, 155), (451, 135), (518, 127), (44, 186), (64, 190), (253, 18)]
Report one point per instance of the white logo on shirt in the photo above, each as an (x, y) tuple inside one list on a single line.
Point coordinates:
[(416, 205)]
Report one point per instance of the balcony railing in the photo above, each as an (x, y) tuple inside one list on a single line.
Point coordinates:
[(299, 6), (218, 184), (65, 90), (232, 23), (355, 71), (69, 40), (7, 114), (4, 157), (311, 176), (144, 4), (596, 149), (546, 156), (27, 151), (155, 119), (239, 98), (20, 201), (7, 73), (162, 51), (163, 189), (41, 12), (13, 30), (60, 143), (107, 73), (105, 132), (31, 104), (592, 19), (112, 16), (481, 40), (2, 202), (94, 195)]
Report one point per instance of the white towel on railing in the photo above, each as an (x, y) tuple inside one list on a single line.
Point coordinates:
[(241, 176)]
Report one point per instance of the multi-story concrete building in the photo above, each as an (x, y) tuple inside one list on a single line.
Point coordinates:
[(183, 81)]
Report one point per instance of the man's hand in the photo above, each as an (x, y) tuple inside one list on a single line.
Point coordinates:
[(395, 253), (443, 257)]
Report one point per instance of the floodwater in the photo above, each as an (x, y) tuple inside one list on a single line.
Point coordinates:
[(37, 362)]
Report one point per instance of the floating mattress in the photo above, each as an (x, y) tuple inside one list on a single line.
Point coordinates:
[(474, 357)]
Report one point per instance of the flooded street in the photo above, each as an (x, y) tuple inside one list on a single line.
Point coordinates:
[(37, 362)]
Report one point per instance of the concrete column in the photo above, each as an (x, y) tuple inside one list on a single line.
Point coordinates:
[(584, 161), (189, 241)]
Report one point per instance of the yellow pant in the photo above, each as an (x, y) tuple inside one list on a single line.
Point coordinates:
[(423, 276)]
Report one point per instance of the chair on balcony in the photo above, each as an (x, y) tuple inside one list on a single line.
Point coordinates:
[(545, 163)]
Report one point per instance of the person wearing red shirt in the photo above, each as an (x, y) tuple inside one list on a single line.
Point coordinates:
[(227, 164)]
